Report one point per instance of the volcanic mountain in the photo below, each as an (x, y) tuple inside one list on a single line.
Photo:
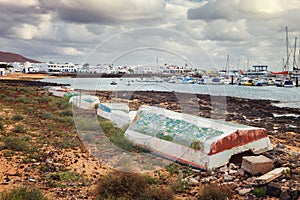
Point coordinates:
[(13, 57)]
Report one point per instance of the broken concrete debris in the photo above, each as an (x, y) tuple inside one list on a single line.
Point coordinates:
[(257, 164), (270, 176)]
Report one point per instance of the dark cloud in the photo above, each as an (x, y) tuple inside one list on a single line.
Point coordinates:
[(213, 10)]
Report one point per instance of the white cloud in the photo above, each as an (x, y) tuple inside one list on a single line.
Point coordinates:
[(223, 30), (69, 51), (19, 3)]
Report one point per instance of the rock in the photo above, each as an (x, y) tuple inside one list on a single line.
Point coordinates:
[(233, 166), (228, 177), (294, 194), (273, 189), (285, 195), (31, 180), (223, 169), (193, 182), (280, 146), (257, 164), (244, 191), (241, 172), (231, 171), (27, 169), (49, 160)]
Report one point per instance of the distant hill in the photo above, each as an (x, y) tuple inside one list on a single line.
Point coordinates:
[(13, 57)]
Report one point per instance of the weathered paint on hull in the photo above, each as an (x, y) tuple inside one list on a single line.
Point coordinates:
[(215, 151)]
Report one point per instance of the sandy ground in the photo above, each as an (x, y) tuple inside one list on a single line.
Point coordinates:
[(22, 76)]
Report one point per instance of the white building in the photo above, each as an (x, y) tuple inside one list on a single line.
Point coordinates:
[(61, 68)]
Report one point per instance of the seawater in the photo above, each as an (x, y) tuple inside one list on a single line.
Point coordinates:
[(288, 97)]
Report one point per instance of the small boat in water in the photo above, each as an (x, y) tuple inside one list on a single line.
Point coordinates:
[(113, 83), (285, 83)]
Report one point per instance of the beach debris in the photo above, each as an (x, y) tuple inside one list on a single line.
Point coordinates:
[(271, 175), (244, 191), (200, 142), (257, 164), (87, 102), (61, 91)]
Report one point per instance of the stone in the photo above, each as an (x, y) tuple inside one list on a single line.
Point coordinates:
[(244, 191), (294, 194), (32, 180), (231, 171), (257, 164), (193, 182), (285, 195), (223, 169), (241, 172), (273, 189), (270, 176), (281, 146), (228, 177)]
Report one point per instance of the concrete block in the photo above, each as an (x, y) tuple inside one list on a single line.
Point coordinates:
[(257, 164), (193, 140)]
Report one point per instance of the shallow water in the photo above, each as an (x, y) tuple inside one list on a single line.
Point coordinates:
[(287, 97)]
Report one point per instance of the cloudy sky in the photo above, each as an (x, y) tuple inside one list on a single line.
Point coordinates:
[(198, 32)]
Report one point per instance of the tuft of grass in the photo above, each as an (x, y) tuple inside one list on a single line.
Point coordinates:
[(173, 168), (260, 192), (180, 186), (60, 179), (17, 117), (123, 185), (1, 126), (213, 191), (16, 143), (22, 193), (46, 115), (19, 128), (65, 113)]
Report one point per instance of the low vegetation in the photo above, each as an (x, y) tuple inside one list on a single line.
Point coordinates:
[(213, 191), (23, 193), (129, 186)]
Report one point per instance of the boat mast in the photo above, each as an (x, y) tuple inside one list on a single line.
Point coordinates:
[(295, 67), (227, 66), (286, 67)]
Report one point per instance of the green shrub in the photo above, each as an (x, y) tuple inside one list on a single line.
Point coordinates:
[(46, 115), (24, 99), (1, 126), (213, 191), (15, 143), (17, 117), (68, 142), (180, 186), (19, 128), (65, 176), (44, 99), (66, 113), (172, 168), (260, 192), (3, 96), (123, 185), (22, 194)]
